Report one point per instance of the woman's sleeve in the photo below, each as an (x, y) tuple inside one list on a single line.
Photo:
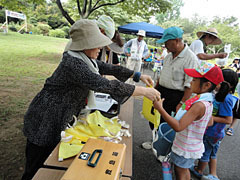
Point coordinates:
[(80, 75), (119, 72)]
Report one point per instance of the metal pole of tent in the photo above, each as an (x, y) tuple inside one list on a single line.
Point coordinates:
[(26, 24), (6, 20)]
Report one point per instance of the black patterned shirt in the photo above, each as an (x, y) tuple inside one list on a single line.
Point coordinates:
[(64, 94)]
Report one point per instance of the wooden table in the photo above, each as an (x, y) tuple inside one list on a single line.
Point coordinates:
[(126, 114), (125, 178), (46, 173), (55, 174)]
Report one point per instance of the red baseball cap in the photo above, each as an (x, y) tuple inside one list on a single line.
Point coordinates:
[(207, 70)]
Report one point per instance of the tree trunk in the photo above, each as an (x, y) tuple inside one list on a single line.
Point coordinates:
[(64, 13)]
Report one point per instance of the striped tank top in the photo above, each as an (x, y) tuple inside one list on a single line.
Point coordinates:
[(189, 142)]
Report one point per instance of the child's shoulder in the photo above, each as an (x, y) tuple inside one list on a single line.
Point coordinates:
[(229, 100), (235, 99)]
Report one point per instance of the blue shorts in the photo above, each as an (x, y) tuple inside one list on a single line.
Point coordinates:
[(181, 161), (211, 148)]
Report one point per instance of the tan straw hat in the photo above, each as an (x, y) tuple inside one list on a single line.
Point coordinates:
[(213, 32), (85, 34)]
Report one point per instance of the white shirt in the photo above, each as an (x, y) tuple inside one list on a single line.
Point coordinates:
[(142, 43), (197, 48), (172, 75), (164, 54)]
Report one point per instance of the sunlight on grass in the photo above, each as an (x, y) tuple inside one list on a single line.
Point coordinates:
[(29, 55), (25, 62)]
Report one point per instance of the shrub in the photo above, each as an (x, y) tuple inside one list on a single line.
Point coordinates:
[(57, 33), (66, 30), (43, 28), (1, 30), (30, 27), (33, 21), (12, 27), (35, 30)]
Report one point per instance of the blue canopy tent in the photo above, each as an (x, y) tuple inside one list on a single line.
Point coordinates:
[(151, 30)]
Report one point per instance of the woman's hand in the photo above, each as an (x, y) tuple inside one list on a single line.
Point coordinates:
[(150, 93), (146, 79)]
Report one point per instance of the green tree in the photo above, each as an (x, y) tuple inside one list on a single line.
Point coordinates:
[(126, 10), (48, 13), (120, 17), (20, 5), (170, 14), (189, 26), (139, 8)]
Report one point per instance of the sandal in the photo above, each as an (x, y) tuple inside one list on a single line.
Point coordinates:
[(210, 177), (195, 173), (229, 131)]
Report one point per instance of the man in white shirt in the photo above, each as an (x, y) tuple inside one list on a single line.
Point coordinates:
[(199, 46), (138, 50)]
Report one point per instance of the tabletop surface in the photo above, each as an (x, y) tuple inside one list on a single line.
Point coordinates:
[(126, 114), (54, 174), (46, 173)]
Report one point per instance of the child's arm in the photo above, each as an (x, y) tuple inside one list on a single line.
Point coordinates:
[(196, 111), (223, 119)]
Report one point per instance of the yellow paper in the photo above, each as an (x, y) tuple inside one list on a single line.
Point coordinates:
[(67, 150), (98, 126)]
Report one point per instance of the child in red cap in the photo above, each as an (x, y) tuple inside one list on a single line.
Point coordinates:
[(222, 114), (192, 118)]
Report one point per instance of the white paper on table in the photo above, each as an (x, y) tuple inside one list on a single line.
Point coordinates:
[(103, 102)]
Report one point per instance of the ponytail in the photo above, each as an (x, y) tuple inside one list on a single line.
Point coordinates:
[(223, 91), (228, 85)]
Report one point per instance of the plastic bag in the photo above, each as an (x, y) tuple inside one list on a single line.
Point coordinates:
[(95, 126), (150, 113)]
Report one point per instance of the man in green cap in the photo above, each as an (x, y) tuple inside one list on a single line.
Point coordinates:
[(174, 84)]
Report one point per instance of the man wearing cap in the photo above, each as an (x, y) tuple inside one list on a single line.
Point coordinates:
[(199, 46), (174, 84), (138, 50)]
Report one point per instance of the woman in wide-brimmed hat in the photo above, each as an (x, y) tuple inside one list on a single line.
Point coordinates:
[(71, 88), (209, 37)]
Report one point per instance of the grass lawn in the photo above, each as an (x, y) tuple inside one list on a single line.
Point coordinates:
[(25, 62)]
